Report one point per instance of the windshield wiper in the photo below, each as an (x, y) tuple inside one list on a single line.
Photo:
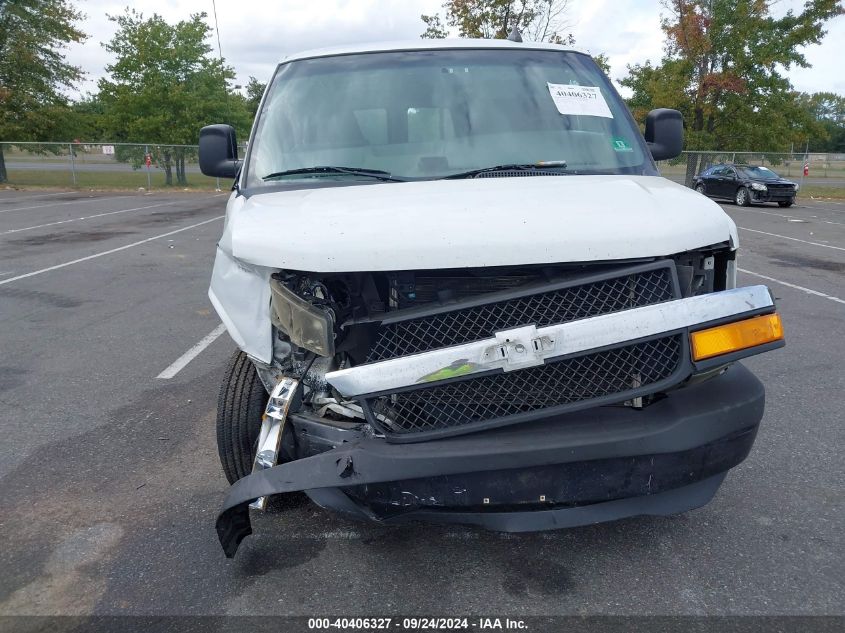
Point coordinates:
[(352, 171), (542, 166)]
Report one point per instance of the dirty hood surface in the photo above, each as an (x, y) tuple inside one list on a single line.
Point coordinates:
[(473, 223)]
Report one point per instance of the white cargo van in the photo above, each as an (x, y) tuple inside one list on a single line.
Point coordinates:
[(463, 293)]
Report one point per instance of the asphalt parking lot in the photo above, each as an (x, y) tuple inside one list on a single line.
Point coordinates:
[(110, 484)]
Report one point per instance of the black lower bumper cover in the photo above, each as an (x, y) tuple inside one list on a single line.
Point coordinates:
[(712, 423), (777, 196)]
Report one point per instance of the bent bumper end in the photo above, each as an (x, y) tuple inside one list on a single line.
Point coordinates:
[(233, 526)]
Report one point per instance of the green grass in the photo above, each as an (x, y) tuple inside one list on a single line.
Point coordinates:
[(820, 191), (108, 180)]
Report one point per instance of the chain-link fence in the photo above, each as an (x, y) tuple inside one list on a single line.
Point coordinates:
[(154, 166), (826, 170), (104, 166)]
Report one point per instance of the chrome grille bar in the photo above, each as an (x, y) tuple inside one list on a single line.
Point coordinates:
[(529, 346)]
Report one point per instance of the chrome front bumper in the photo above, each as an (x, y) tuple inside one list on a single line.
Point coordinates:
[(528, 346)]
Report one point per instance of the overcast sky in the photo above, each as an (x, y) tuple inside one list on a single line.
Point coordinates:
[(255, 34)]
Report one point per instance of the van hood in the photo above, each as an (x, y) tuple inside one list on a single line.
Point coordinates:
[(472, 223)]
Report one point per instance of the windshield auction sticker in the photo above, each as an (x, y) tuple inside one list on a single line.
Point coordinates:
[(621, 145), (583, 100)]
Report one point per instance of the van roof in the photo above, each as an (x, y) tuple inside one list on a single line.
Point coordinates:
[(423, 44)]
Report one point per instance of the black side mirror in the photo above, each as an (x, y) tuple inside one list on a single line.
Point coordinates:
[(664, 133), (219, 151)]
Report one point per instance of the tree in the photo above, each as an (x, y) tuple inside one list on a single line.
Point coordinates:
[(603, 62), (434, 28), (85, 120), (827, 110), (538, 20), (254, 92), (723, 68), (164, 86), (33, 69)]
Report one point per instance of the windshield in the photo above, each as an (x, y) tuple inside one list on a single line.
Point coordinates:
[(762, 173), (435, 113)]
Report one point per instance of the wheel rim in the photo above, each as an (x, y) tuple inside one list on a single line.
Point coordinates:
[(700, 189), (740, 197)]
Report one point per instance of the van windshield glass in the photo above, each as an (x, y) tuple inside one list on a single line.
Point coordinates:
[(437, 113)]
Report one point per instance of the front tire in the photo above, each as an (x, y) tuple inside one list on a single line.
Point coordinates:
[(743, 197), (786, 203), (240, 405), (700, 189)]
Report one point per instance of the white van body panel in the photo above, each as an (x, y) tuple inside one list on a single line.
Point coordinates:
[(475, 223)]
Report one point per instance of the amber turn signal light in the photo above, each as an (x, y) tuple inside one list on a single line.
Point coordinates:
[(739, 335)]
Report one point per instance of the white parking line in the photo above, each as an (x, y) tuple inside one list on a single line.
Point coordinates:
[(791, 217), (794, 239), (87, 217), (61, 204), (809, 291), (108, 252), (180, 363)]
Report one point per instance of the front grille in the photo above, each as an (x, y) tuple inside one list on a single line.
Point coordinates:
[(611, 375), (569, 303), (782, 191)]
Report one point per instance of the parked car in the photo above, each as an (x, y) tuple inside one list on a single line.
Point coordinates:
[(745, 184), (462, 292)]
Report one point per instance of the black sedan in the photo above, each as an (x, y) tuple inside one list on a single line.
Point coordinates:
[(745, 184)]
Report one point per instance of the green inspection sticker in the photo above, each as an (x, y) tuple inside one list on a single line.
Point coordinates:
[(621, 145)]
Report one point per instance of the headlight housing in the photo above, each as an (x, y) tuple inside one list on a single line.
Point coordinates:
[(305, 324), (796, 188), (756, 186)]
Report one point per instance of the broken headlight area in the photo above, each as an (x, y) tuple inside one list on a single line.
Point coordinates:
[(329, 324), (305, 311)]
